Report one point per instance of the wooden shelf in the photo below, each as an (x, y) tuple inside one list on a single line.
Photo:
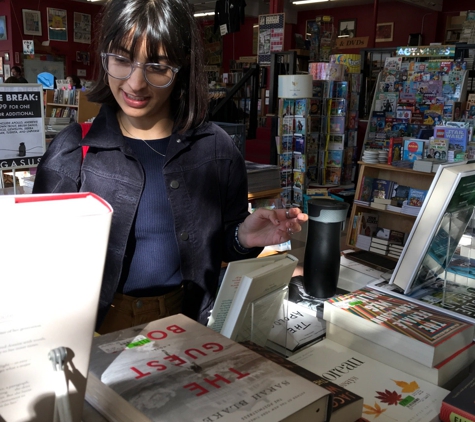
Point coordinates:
[(388, 219), (274, 193)]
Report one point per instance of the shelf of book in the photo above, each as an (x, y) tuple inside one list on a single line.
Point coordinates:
[(385, 218), (75, 105)]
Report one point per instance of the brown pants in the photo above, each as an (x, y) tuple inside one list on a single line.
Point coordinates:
[(127, 311)]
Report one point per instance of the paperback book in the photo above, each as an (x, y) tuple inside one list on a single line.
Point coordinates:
[(347, 406), (428, 337), (176, 369), (446, 374), (389, 394)]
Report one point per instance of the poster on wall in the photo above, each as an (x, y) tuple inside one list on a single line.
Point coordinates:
[(271, 36), (213, 45), (57, 24), (22, 133), (82, 28)]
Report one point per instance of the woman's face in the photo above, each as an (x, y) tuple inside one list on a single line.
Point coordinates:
[(135, 96)]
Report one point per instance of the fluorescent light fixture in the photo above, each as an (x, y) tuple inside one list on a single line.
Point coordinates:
[(308, 1), (197, 15)]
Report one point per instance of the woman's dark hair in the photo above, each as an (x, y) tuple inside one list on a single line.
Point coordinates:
[(168, 24), (76, 81)]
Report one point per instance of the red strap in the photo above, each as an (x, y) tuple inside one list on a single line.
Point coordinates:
[(85, 128)]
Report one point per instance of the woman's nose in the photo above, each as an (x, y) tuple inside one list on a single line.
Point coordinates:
[(137, 78)]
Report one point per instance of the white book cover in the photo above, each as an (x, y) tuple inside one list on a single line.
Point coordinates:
[(53, 253), (267, 284), (235, 270), (176, 370), (445, 374), (389, 394)]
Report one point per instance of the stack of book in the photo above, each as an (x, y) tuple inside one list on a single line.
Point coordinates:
[(389, 394), (383, 191), (427, 344), (394, 251), (175, 369), (262, 177), (397, 239), (380, 246)]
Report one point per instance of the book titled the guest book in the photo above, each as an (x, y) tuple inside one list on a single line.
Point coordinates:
[(176, 370)]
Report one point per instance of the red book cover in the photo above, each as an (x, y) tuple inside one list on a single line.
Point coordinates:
[(395, 149)]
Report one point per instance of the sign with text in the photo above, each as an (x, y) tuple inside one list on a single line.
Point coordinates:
[(22, 132), (355, 42), (271, 37)]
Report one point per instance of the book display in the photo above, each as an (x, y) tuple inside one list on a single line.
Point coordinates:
[(175, 369), (446, 374), (428, 337), (412, 97), (398, 215), (347, 406), (389, 394), (68, 103), (294, 141)]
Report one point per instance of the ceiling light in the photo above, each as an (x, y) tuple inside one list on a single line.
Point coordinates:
[(308, 1), (197, 15)]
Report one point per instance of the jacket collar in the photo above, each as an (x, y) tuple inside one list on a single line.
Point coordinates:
[(105, 133)]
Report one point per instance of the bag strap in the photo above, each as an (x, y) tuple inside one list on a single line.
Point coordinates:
[(85, 128)]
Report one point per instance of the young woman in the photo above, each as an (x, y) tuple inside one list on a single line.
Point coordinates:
[(177, 183)]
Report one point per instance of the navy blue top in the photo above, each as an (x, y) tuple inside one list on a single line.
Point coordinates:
[(152, 262)]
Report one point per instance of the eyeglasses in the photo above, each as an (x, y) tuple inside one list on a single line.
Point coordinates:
[(156, 74)]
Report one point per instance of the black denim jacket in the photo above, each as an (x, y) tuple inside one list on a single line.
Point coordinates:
[(206, 184)]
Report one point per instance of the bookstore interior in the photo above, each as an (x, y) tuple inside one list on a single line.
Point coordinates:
[(363, 116)]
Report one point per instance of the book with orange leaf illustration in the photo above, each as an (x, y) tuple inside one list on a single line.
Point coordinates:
[(419, 333), (390, 395)]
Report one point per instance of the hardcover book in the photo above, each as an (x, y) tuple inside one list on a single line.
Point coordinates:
[(389, 394), (414, 331), (396, 146), (347, 406), (446, 374), (458, 405), (175, 370)]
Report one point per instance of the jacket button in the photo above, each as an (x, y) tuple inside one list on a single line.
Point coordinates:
[(184, 236), (139, 304), (175, 184)]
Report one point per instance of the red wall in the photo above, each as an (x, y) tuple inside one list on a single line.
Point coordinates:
[(14, 43), (407, 19)]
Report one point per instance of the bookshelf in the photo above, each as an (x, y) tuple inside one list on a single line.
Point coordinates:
[(402, 176), (75, 104)]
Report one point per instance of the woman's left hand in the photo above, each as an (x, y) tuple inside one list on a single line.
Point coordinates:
[(270, 227)]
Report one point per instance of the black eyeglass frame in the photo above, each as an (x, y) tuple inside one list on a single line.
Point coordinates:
[(135, 65)]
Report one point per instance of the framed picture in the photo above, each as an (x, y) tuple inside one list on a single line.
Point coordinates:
[(82, 28), (347, 28), (31, 22), (3, 28), (57, 24), (384, 31), (310, 27)]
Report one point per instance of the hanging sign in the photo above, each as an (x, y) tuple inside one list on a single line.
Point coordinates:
[(355, 42), (271, 37), (22, 132), (427, 51)]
